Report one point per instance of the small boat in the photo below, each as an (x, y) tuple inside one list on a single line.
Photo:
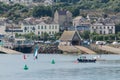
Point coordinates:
[(83, 59), (36, 54)]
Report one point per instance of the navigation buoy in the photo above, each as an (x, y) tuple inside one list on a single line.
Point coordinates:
[(25, 67), (53, 61), (24, 56), (75, 61)]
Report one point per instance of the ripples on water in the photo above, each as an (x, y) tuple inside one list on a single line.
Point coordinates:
[(65, 69)]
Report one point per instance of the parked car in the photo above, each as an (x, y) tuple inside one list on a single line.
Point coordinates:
[(100, 42), (115, 43)]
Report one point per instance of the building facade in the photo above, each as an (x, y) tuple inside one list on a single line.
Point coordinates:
[(69, 38), (103, 28), (81, 24), (63, 18), (39, 29), (2, 26)]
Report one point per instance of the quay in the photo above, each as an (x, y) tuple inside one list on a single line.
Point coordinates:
[(8, 51), (93, 49)]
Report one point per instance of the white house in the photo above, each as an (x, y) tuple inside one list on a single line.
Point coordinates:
[(103, 28), (48, 2), (40, 28)]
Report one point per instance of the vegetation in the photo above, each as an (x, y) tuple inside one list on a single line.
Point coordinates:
[(39, 11), (18, 12), (45, 36), (94, 36)]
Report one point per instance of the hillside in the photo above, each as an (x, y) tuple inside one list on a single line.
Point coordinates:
[(18, 12)]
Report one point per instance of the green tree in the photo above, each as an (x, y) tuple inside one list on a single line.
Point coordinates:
[(45, 36), (39, 11)]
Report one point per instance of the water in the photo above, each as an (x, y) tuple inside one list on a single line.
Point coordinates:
[(65, 68)]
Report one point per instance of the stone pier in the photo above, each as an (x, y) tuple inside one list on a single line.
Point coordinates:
[(9, 51)]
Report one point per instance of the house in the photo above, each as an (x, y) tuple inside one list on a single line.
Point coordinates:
[(48, 2), (2, 26), (70, 38), (40, 28), (11, 29), (81, 24), (103, 28), (63, 18)]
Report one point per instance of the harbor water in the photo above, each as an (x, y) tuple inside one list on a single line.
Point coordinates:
[(65, 67)]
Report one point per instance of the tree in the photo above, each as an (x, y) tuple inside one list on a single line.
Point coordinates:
[(45, 36), (40, 11), (57, 35)]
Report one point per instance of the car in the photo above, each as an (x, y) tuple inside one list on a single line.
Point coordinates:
[(100, 42), (115, 43)]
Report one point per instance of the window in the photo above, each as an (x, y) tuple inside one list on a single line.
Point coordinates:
[(45, 27), (38, 32), (38, 27), (33, 28), (104, 32), (52, 32), (52, 27), (110, 31), (55, 27), (49, 27), (41, 27), (100, 32), (41, 32), (49, 32), (25, 28)]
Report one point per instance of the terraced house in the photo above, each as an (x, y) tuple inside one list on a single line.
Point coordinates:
[(103, 27), (36, 26), (40, 28)]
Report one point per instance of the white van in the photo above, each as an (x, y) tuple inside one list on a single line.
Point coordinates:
[(100, 42)]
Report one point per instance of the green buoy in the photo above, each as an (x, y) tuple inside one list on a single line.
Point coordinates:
[(53, 61), (25, 67)]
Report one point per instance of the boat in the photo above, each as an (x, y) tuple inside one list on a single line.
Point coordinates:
[(36, 54), (83, 59)]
